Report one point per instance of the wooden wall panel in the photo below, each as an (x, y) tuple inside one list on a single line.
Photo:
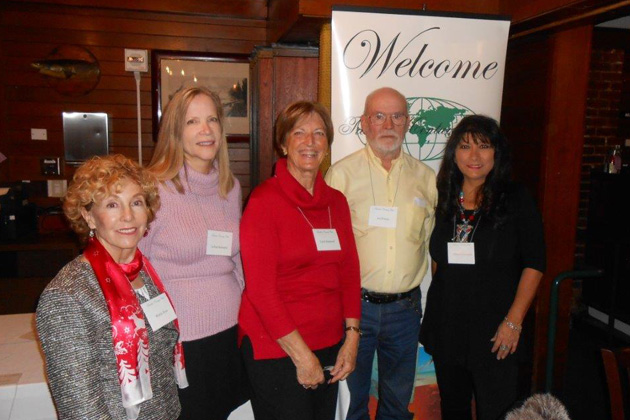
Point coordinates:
[(241, 167), (30, 30), (122, 40), (281, 76), (524, 108), (296, 80), (250, 9), (262, 121), (50, 18)]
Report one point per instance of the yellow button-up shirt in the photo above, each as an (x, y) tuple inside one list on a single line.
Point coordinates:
[(393, 260)]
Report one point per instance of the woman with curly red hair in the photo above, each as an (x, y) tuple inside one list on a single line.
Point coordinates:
[(108, 355)]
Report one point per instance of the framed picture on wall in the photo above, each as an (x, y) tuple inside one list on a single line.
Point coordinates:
[(225, 74)]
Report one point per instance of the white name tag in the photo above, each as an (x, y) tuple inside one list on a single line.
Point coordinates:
[(461, 253), (326, 240), (219, 243), (158, 311), (381, 216)]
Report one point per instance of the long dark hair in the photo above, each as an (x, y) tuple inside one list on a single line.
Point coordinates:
[(492, 204)]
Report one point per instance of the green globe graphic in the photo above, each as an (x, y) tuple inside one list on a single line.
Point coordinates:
[(432, 120), (431, 123)]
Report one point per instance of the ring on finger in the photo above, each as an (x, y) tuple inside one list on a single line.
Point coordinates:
[(306, 386), (504, 347)]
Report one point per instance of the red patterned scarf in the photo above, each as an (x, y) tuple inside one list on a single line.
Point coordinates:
[(129, 331)]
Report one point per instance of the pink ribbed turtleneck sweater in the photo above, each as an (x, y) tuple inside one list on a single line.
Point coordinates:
[(206, 290)]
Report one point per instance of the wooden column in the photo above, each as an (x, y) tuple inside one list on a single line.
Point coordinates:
[(280, 75), (563, 140)]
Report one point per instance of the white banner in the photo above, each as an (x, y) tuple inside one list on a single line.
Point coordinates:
[(446, 66)]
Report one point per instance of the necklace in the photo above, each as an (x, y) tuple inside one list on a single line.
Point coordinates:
[(309, 222), (464, 229)]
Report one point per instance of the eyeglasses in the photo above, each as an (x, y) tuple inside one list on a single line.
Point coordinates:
[(379, 118)]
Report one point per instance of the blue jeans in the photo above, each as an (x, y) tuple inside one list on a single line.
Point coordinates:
[(391, 330)]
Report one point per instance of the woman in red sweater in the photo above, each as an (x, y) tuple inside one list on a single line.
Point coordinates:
[(302, 284)]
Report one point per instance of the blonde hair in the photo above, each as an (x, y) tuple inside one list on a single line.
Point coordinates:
[(98, 178), (168, 157)]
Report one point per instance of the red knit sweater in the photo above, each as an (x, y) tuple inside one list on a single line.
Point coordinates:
[(290, 285)]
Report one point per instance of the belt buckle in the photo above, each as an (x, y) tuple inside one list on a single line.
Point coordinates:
[(366, 295), (373, 297)]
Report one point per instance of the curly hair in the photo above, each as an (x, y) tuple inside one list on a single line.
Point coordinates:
[(100, 176), (480, 129)]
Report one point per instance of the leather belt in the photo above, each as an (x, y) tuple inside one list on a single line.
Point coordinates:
[(378, 298)]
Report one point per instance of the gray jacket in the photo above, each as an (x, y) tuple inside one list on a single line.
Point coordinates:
[(74, 328)]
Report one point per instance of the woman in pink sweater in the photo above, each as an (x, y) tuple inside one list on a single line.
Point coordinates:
[(194, 245), (301, 306)]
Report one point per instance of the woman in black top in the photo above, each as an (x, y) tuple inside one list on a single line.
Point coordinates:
[(488, 256)]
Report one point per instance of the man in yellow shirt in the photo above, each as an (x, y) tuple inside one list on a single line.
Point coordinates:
[(392, 198)]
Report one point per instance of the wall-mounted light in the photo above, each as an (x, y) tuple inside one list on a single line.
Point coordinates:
[(136, 60)]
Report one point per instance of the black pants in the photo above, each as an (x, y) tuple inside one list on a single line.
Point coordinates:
[(276, 393), (215, 372), (493, 384)]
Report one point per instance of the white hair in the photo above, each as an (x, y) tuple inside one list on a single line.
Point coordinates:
[(540, 407)]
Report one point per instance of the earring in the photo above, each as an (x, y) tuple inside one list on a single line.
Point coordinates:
[(92, 233), (284, 151), (146, 232)]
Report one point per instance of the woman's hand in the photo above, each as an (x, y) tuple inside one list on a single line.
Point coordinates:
[(309, 371), (506, 338), (505, 341), (346, 358)]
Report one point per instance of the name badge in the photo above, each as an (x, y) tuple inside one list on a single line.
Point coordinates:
[(219, 243), (461, 253), (326, 240), (381, 216), (158, 311)]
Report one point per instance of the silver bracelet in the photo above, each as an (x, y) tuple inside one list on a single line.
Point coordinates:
[(512, 326)]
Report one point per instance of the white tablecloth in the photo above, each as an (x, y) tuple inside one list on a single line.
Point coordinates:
[(24, 394)]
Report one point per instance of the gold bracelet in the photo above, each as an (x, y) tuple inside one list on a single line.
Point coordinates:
[(512, 325), (355, 329)]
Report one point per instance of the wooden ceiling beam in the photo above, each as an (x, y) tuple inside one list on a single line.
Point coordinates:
[(300, 21), (553, 15)]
